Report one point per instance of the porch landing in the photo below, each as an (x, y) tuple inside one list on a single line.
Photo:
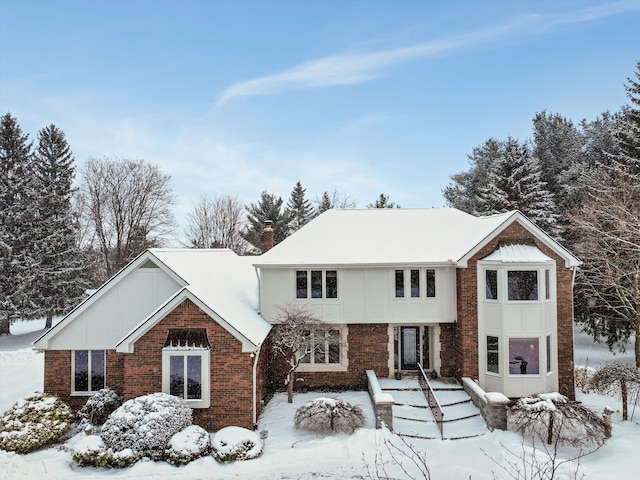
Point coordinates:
[(412, 417)]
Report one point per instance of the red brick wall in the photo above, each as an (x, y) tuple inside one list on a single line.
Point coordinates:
[(448, 359), (466, 337), (368, 349)]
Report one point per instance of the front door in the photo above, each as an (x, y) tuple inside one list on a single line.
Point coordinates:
[(410, 353)]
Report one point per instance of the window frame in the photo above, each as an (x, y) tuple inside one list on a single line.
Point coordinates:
[(90, 390), (315, 284), (406, 283), (205, 375), (314, 366), (536, 284), (495, 351), (511, 345)]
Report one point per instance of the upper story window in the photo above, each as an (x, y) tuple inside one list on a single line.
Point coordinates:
[(522, 284), (416, 278), (88, 370), (316, 284), (547, 284), (491, 284)]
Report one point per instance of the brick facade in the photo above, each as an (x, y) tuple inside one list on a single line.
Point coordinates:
[(466, 336)]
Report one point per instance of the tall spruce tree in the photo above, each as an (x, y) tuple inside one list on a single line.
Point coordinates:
[(17, 217), (60, 279), (515, 182), (299, 209), (268, 208)]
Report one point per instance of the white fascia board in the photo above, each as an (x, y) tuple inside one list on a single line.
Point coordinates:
[(569, 259), (126, 345), (325, 266), (42, 343)]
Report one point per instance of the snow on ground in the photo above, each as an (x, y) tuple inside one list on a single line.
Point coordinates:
[(291, 454)]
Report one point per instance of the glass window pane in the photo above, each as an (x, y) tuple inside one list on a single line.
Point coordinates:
[(431, 283), (176, 375), (194, 377), (319, 346), (316, 284), (415, 283), (97, 370), (548, 353), (547, 285), (492, 355), (524, 356), (334, 346), (301, 284), (523, 285), (81, 374), (491, 284), (399, 283), (332, 283)]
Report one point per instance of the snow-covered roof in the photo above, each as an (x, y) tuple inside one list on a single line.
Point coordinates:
[(224, 282), (437, 236), (518, 254)]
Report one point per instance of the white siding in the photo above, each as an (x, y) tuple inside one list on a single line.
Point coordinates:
[(117, 311), (365, 295)]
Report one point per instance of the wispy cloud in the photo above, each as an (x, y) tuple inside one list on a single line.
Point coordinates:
[(358, 67)]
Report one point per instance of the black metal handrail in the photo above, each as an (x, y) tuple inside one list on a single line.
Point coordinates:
[(432, 401)]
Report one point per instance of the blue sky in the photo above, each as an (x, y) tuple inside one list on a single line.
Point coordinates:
[(366, 97)]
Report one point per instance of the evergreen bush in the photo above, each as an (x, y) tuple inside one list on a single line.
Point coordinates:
[(235, 443), (91, 451), (185, 446), (99, 406), (34, 422)]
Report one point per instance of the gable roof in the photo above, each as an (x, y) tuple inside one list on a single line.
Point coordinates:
[(380, 237), (220, 282)]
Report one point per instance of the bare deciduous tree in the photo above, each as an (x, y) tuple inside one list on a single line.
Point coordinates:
[(618, 378), (404, 455), (217, 222), (127, 206), (292, 339)]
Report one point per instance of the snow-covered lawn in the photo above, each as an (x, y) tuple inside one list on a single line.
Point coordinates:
[(293, 454)]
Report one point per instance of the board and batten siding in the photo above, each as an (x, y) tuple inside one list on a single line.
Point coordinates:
[(365, 295), (118, 310)]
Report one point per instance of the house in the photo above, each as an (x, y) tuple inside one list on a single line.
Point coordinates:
[(483, 297)]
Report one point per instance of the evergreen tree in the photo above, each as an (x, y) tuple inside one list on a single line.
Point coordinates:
[(335, 199), (324, 204), (268, 208), (299, 209), (60, 281), (383, 202), (17, 217), (515, 183)]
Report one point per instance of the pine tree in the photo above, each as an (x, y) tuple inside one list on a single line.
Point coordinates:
[(299, 209), (515, 183), (60, 281), (17, 217), (324, 204), (268, 208), (383, 202)]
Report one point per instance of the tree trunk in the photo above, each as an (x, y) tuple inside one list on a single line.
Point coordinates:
[(49, 322), (637, 345), (290, 387), (4, 326), (623, 390), (550, 429)]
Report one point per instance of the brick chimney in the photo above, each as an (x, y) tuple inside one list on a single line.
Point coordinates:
[(267, 236)]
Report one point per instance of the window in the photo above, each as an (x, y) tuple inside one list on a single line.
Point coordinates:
[(431, 283), (185, 366), (547, 285), (399, 283), (491, 284), (322, 346), (415, 283), (548, 353), (301, 284), (522, 284), (88, 370), (524, 356), (492, 355), (319, 279)]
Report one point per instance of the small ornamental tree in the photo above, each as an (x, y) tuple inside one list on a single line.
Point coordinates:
[(558, 420), (328, 416), (618, 378), (292, 340)]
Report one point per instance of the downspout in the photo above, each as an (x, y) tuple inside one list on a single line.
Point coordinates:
[(254, 396)]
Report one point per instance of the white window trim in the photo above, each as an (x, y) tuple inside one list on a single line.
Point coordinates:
[(407, 284), (309, 284), (343, 366), (205, 354), (90, 392)]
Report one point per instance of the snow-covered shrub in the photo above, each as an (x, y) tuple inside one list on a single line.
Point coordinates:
[(99, 406), (584, 376), (554, 418), (191, 443), (145, 424), (617, 378), (91, 451), (327, 416), (34, 422), (235, 443)]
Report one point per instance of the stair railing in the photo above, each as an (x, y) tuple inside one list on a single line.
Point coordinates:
[(432, 401)]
